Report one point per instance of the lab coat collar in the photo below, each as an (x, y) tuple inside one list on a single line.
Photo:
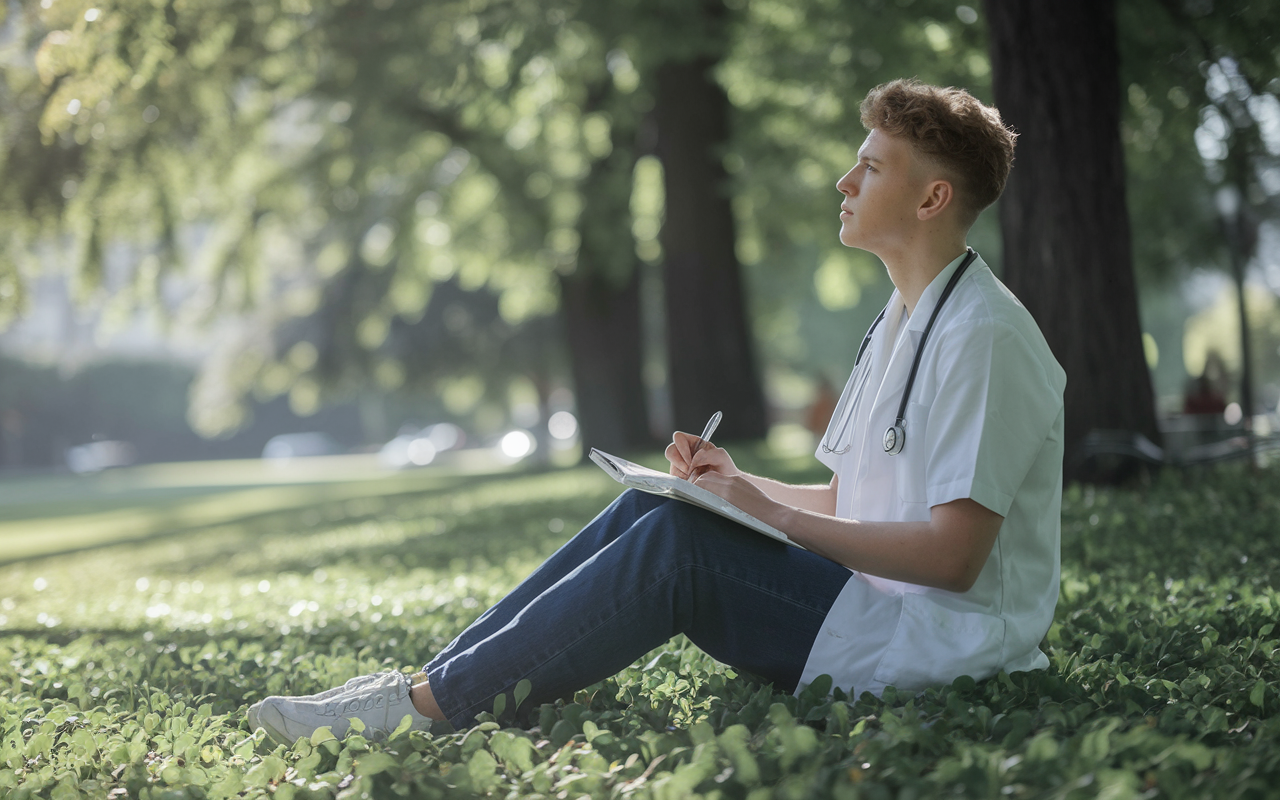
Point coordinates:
[(929, 297), (888, 335)]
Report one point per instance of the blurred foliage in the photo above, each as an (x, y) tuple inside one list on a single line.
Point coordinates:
[(141, 402), (328, 168), (320, 160), (44, 410), (1202, 80), (132, 665), (1216, 329)]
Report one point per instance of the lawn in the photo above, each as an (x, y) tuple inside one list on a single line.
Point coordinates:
[(132, 652)]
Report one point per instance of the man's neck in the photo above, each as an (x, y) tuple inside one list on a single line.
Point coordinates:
[(912, 272)]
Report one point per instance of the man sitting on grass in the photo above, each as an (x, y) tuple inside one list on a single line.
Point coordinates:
[(932, 553)]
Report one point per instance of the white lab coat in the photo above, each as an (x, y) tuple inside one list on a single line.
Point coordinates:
[(984, 421)]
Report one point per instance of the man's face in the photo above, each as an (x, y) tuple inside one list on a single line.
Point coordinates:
[(881, 195)]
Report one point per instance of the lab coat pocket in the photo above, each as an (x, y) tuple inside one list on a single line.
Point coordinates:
[(934, 645), (910, 463)]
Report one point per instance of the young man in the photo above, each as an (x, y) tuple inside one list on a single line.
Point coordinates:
[(932, 553)]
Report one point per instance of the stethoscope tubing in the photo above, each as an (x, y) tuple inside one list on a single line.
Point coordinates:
[(895, 437)]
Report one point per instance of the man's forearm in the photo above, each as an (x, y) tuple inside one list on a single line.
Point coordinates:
[(946, 552), (818, 498), (902, 551)]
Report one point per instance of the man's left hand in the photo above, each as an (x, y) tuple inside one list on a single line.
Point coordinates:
[(737, 490)]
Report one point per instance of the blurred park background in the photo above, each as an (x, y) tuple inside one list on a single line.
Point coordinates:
[(481, 231), (290, 289)]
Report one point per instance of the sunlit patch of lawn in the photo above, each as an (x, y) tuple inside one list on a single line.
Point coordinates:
[(127, 667)]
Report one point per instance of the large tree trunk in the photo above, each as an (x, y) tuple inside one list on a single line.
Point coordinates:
[(1067, 252), (602, 322), (710, 352)]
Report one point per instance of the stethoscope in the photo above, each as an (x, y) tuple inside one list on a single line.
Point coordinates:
[(895, 437)]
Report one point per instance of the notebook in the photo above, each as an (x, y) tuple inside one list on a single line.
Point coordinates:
[(648, 480)]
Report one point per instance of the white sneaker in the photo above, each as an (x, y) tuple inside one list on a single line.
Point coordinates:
[(380, 701), (350, 685)]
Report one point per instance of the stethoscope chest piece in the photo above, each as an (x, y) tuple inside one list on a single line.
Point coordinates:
[(895, 436)]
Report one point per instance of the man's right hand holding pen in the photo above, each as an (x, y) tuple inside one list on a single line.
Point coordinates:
[(698, 461), (691, 457)]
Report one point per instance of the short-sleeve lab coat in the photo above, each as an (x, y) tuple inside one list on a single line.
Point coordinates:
[(984, 421)]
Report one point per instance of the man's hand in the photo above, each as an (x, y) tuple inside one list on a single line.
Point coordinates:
[(738, 490), (687, 464)]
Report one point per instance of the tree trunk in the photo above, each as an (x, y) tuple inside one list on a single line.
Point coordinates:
[(1067, 252), (602, 323), (710, 352), (1240, 230)]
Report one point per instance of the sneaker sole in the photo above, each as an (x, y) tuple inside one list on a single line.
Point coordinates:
[(269, 720)]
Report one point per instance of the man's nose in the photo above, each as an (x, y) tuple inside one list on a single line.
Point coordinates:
[(849, 183)]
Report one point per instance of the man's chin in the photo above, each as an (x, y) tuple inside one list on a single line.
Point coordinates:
[(857, 244)]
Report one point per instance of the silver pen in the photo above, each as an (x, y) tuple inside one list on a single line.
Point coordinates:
[(705, 438)]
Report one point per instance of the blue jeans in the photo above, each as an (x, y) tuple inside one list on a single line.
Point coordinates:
[(647, 568)]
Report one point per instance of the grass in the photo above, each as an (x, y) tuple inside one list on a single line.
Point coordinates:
[(128, 666), (46, 515)]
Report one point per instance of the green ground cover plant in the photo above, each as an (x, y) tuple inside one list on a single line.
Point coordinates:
[(125, 670)]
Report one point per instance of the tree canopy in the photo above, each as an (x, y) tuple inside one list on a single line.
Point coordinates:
[(397, 193)]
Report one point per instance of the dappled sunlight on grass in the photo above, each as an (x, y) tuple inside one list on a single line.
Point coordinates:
[(56, 514), (131, 663)]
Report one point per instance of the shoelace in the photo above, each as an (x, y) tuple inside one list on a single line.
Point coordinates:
[(354, 705)]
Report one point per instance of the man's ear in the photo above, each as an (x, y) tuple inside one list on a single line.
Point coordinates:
[(939, 196)]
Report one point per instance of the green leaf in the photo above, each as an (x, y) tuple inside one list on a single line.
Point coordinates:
[(65, 790), (322, 734), (483, 768), (374, 763), (406, 722), (274, 767), (700, 732), (523, 687), (820, 688), (357, 725), (561, 732), (39, 744), (355, 743), (1215, 718), (244, 749), (1259, 693), (516, 752), (499, 705)]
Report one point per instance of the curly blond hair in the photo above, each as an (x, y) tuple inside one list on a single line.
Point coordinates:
[(950, 129)]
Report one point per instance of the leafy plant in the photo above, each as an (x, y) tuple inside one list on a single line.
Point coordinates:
[(128, 669)]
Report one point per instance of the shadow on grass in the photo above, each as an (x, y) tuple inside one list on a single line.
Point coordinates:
[(170, 525), (485, 536)]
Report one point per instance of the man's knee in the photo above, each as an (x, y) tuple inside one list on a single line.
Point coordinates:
[(642, 500), (634, 504), (677, 529)]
